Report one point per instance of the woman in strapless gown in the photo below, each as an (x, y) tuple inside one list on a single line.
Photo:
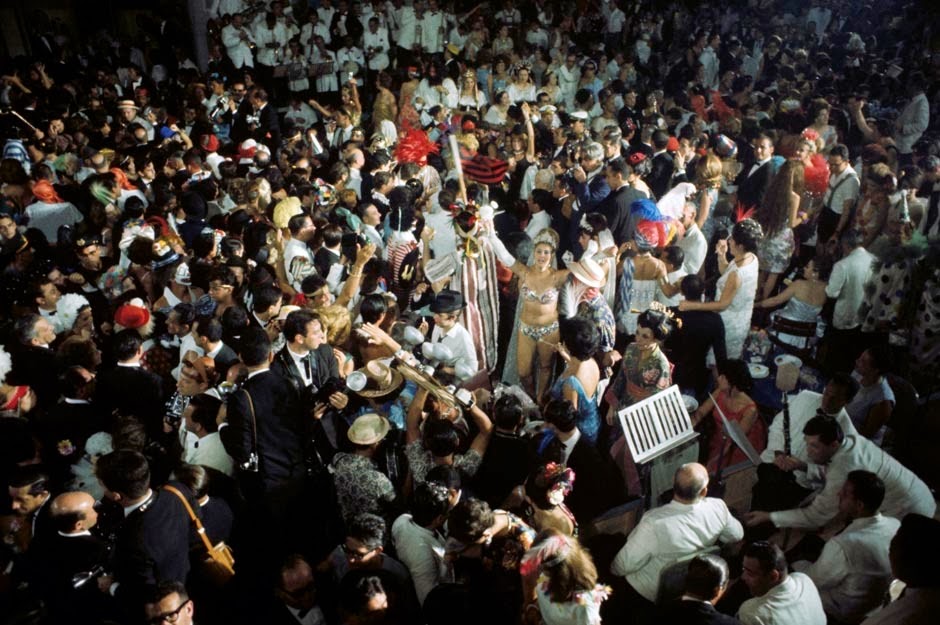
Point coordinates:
[(803, 299)]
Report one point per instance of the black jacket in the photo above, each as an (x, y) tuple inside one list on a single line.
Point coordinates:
[(751, 188), (132, 391), (616, 208), (153, 545), (268, 130), (660, 177), (695, 613), (688, 347), (279, 423)]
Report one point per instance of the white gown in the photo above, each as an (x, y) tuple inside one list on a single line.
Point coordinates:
[(737, 316)]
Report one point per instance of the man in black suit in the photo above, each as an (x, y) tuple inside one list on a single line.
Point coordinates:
[(295, 595), (663, 165), (705, 583), (265, 307), (264, 435), (129, 389), (54, 559), (209, 339), (599, 482), (509, 459), (616, 206), (688, 347), (328, 255), (753, 179), (29, 493), (307, 361), (267, 130), (154, 540), (70, 422), (34, 362)]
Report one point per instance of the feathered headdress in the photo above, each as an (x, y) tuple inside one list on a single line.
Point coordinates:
[(548, 553), (414, 147)]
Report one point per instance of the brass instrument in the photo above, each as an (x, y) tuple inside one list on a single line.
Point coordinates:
[(423, 376)]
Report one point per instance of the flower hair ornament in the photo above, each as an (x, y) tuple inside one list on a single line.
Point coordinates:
[(562, 480), (550, 552), (810, 135), (661, 308)]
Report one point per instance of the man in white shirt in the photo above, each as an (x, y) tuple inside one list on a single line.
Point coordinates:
[(298, 257), (839, 199), (375, 42), (779, 596), (432, 29), (419, 541), (709, 60), (446, 306), (833, 456), (780, 483), (913, 120), (693, 242), (407, 34), (847, 286), (690, 523), (853, 572), (200, 434)]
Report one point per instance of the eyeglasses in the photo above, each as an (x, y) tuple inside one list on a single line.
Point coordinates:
[(169, 617), (352, 554)]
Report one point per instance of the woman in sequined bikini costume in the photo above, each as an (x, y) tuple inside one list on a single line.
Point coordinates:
[(538, 316)]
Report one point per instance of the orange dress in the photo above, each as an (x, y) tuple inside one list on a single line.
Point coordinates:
[(733, 455)]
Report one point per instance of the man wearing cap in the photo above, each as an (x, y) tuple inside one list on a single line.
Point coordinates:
[(446, 306), (360, 486)]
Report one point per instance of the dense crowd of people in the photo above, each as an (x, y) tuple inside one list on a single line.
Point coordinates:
[(356, 294)]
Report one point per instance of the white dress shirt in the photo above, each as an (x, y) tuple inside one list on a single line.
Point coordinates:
[(853, 572), (794, 601), (460, 343), (803, 407), (847, 286), (695, 247), (422, 552), (378, 41), (904, 491), (666, 534), (407, 27), (238, 51), (207, 451), (839, 192)]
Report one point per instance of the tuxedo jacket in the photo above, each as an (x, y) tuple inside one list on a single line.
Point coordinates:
[(323, 367), (224, 360), (268, 131), (751, 188), (323, 259)]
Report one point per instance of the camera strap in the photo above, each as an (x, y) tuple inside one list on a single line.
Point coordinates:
[(254, 425)]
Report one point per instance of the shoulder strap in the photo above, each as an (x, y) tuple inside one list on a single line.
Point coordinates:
[(254, 422), (832, 191), (192, 515)]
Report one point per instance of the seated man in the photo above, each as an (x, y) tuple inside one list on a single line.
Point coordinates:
[(836, 455), (778, 596), (690, 523), (853, 572), (780, 484), (705, 583)]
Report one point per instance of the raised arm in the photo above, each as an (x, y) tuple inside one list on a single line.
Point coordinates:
[(363, 254)]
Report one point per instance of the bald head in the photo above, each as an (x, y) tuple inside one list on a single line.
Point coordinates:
[(74, 512), (690, 483)]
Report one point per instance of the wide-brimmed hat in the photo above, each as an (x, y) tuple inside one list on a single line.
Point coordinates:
[(376, 379), (368, 429), (202, 366), (128, 104), (588, 271), (132, 315), (453, 49), (447, 301), (579, 115)]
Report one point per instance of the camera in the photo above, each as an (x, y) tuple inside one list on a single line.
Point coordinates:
[(252, 465), (175, 408)]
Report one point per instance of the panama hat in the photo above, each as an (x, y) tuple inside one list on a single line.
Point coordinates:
[(588, 271), (375, 379), (368, 429)]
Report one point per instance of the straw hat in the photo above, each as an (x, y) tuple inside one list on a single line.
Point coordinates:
[(128, 104), (376, 379), (588, 271), (368, 429)]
